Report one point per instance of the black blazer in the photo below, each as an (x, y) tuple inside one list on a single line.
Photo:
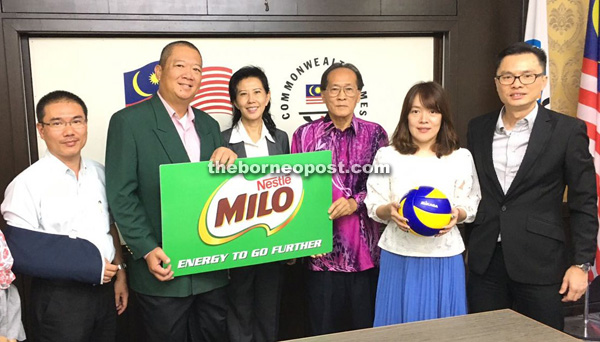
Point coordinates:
[(529, 215), (280, 146)]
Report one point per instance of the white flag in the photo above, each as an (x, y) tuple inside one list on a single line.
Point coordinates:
[(536, 33)]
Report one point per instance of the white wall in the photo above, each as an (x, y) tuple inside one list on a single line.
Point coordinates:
[(93, 69)]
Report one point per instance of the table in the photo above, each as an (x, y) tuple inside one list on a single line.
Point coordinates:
[(493, 326)]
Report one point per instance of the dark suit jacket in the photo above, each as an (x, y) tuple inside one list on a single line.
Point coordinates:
[(529, 215), (140, 139), (280, 146)]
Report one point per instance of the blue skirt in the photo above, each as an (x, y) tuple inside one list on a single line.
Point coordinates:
[(415, 289)]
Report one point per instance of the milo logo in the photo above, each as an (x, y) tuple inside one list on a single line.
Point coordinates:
[(268, 203)]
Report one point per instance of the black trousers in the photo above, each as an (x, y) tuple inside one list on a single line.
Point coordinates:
[(69, 311), (340, 301), (254, 295), (200, 317), (495, 290)]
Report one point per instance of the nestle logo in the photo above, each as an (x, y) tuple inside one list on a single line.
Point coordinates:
[(433, 205), (273, 182)]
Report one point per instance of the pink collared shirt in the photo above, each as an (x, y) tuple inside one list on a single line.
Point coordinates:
[(186, 130)]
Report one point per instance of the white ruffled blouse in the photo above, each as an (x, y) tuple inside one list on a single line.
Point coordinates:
[(454, 175)]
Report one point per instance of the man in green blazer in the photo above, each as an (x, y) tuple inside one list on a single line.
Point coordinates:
[(162, 130)]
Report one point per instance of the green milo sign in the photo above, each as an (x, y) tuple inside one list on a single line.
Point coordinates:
[(217, 220)]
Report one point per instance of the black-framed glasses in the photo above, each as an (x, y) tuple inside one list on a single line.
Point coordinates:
[(76, 123), (525, 79), (335, 91)]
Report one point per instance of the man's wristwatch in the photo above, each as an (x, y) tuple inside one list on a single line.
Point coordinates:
[(584, 267), (122, 266)]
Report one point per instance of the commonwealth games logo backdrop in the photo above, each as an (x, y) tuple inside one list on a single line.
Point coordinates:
[(301, 92)]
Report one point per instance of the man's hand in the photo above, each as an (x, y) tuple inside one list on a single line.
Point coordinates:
[(155, 259), (121, 292), (576, 282), (223, 156), (109, 271), (342, 207)]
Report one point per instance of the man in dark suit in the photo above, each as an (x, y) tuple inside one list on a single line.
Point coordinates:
[(163, 130), (525, 155)]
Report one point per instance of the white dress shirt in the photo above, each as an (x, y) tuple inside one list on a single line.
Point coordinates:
[(48, 197), (454, 175), (509, 147), (253, 149)]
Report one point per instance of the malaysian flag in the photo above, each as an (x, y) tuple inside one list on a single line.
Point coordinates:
[(213, 95), (588, 108), (536, 33), (140, 84), (313, 94)]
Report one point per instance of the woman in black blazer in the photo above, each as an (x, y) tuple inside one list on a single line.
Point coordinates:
[(254, 291)]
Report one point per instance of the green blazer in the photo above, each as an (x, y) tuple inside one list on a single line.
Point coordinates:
[(140, 138)]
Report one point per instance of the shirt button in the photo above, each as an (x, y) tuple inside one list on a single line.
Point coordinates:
[(503, 208)]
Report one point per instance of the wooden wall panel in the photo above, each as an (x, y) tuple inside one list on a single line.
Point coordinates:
[(252, 7), (7, 137), (483, 33), (339, 7), (161, 7), (419, 7), (55, 6)]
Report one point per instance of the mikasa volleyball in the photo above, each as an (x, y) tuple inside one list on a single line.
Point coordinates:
[(427, 210)]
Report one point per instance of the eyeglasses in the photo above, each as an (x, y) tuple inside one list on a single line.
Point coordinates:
[(58, 125), (525, 79), (335, 91)]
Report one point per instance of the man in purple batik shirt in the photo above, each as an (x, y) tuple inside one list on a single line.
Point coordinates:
[(341, 285)]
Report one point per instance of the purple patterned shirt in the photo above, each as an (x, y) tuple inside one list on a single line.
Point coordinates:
[(355, 236)]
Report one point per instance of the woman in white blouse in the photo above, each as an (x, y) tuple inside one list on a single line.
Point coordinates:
[(422, 277)]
